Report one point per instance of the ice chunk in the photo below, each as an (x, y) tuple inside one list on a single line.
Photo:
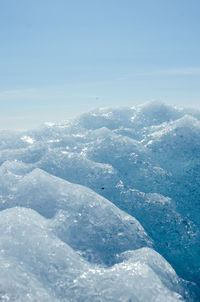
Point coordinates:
[(106, 117), (77, 168), (154, 113), (37, 266), (174, 235), (85, 220)]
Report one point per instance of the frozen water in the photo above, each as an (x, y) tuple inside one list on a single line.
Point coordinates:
[(37, 266), (89, 206), (175, 236), (83, 219)]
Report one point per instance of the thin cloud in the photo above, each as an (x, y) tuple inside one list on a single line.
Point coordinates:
[(188, 71), (177, 71)]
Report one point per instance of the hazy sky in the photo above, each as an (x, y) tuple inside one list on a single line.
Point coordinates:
[(59, 58)]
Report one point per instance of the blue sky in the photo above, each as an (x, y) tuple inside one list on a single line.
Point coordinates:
[(59, 58)]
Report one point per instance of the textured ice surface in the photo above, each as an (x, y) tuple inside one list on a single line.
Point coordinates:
[(90, 207), (82, 218), (37, 266)]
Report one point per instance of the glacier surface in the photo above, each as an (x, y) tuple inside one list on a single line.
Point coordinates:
[(105, 207)]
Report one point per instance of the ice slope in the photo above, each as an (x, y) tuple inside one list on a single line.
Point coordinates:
[(175, 236), (176, 147), (37, 266), (144, 160), (86, 221)]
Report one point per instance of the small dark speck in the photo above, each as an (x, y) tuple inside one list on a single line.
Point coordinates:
[(102, 188)]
